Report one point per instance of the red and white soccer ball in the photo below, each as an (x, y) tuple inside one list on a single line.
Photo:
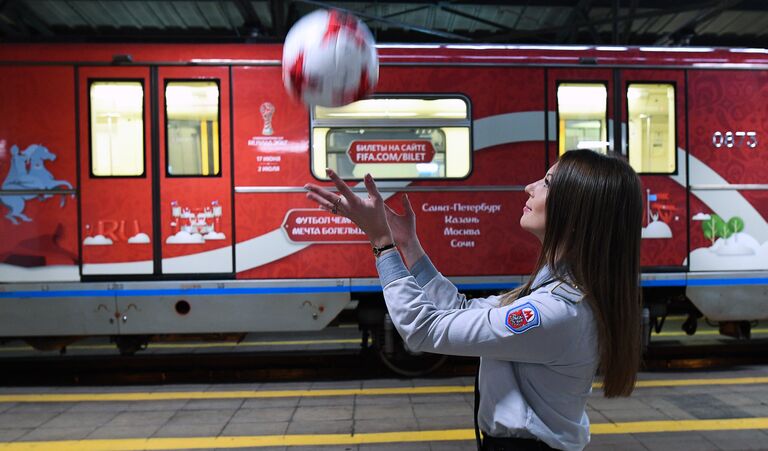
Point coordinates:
[(330, 59)]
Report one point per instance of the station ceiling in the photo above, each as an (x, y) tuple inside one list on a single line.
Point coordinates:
[(732, 23)]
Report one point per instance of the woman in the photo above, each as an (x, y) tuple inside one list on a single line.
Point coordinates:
[(540, 345)]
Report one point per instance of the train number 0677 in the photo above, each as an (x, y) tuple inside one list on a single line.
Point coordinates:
[(734, 139)]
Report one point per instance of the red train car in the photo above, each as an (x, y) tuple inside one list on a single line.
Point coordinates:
[(157, 189)]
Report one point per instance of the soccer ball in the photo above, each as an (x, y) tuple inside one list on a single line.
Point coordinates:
[(329, 59)]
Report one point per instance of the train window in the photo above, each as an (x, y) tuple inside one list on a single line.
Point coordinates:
[(117, 128), (582, 116), (394, 138), (192, 128), (651, 127)]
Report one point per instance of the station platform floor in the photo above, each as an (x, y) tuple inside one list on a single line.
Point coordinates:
[(678, 411)]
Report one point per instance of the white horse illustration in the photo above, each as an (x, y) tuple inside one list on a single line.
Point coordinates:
[(36, 177)]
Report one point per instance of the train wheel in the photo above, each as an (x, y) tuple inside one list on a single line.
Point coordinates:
[(741, 330), (690, 325), (131, 344), (396, 355), (51, 343), (411, 364)]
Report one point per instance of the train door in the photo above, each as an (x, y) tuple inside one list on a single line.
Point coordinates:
[(155, 169), (195, 183), (653, 138), (590, 108), (115, 171)]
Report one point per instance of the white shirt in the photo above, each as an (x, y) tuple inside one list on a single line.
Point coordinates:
[(538, 355)]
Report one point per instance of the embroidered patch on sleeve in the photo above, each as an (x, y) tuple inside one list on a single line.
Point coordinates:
[(522, 318)]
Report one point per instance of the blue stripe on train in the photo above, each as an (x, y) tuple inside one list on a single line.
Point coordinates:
[(704, 282), (341, 289), (741, 281), (220, 291), (173, 292)]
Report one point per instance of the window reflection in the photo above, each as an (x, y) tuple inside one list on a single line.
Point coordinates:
[(117, 128), (582, 112), (651, 127), (393, 138), (192, 128)]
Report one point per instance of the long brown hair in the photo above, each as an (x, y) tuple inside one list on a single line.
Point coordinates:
[(594, 211)]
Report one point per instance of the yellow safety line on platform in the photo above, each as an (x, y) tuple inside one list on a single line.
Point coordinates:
[(248, 394), (314, 440), (200, 345), (242, 442), (239, 394), (691, 382), (643, 427)]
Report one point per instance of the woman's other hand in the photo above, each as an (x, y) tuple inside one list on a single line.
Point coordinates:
[(404, 231), (369, 214)]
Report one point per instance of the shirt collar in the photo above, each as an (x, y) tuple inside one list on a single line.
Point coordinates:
[(543, 276)]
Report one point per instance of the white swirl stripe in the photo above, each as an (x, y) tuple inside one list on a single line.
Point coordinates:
[(488, 132), (726, 204), (521, 127), (508, 128)]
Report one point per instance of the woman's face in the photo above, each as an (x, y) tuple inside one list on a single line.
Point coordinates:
[(534, 217)]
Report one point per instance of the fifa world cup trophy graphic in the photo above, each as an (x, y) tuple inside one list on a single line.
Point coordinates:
[(267, 111)]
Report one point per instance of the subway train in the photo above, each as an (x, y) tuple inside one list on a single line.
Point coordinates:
[(154, 190)]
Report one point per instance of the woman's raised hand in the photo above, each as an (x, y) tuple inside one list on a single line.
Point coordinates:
[(369, 214), (404, 231)]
